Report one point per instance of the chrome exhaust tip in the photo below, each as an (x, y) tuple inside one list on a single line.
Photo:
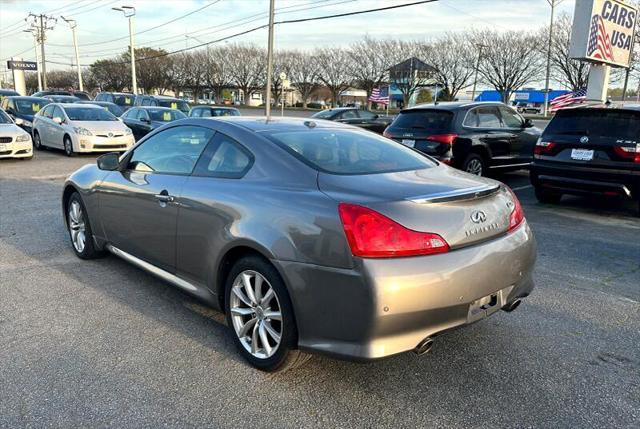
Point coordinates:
[(423, 346), (512, 306)]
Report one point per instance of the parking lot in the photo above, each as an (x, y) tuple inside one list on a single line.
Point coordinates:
[(102, 343)]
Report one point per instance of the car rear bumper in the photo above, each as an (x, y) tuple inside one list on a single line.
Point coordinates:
[(387, 306), (581, 180)]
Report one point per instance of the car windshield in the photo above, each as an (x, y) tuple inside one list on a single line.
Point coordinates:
[(89, 114), (4, 118), (432, 119), (164, 115), (225, 112), (175, 104), (123, 100), (325, 114), (349, 151), (30, 107), (621, 124)]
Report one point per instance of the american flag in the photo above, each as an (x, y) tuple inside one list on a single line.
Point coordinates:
[(570, 99), (380, 96), (599, 42)]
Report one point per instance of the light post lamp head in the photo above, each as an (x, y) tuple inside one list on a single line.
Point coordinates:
[(128, 11), (72, 22)]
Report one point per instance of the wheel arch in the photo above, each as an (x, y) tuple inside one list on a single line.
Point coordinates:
[(69, 189)]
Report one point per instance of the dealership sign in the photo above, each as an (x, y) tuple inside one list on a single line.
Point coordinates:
[(22, 65), (603, 31)]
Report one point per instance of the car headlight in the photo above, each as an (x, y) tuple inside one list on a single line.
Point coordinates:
[(23, 138), (128, 132), (82, 131), (27, 123)]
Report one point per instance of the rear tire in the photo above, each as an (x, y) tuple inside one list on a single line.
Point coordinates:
[(547, 197), (250, 318), (68, 147), (474, 164), (37, 143)]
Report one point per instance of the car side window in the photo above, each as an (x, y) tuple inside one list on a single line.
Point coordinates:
[(129, 114), (195, 113), (206, 113), (142, 115), (172, 151), (47, 112), (488, 117), (58, 113), (224, 158), (510, 118), (366, 115), (349, 114)]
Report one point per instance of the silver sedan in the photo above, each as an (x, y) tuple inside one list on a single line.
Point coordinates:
[(310, 235)]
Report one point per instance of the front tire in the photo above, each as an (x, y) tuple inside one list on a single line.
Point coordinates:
[(260, 316), (547, 197), (80, 229), (68, 147), (474, 164)]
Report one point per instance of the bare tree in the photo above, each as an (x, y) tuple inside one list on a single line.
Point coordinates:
[(334, 70), (370, 63), (510, 60), (218, 73), (453, 58), (247, 68), (564, 70), (302, 70)]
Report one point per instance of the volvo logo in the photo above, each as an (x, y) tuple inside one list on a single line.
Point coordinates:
[(478, 216), (584, 139)]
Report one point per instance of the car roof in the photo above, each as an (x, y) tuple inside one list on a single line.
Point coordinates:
[(153, 108), (452, 105), (339, 109), (7, 91), (67, 105), (213, 107), (96, 102), (27, 97), (165, 97), (260, 123)]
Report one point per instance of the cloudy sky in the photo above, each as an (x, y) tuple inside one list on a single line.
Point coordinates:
[(103, 32)]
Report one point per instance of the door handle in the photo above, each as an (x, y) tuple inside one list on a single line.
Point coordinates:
[(164, 197)]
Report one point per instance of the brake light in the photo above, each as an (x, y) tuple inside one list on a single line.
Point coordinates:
[(543, 148), (373, 235), (443, 138), (517, 214), (386, 134), (628, 152)]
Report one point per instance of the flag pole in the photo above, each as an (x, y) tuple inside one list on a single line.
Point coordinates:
[(388, 97)]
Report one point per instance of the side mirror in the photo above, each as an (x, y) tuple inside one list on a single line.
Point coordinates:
[(109, 161), (57, 120), (528, 123), (145, 120), (19, 121)]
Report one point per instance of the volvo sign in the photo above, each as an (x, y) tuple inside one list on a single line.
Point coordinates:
[(22, 65)]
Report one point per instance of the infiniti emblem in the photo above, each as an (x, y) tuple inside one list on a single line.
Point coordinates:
[(478, 216), (584, 139)]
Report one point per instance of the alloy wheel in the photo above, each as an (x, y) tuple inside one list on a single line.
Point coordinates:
[(256, 314), (474, 167), (77, 226), (68, 148)]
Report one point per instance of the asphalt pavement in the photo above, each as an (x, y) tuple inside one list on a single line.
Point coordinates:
[(103, 344)]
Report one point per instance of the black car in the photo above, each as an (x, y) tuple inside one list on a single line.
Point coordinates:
[(212, 111), (7, 93), (474, 137), (588, 151), (122, 99), (354, 116), (162, 101), (62, 98), (113, 108), (24, 108), (143, 120), (82, 95)]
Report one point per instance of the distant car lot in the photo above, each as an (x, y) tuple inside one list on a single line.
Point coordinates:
[(104, 344)]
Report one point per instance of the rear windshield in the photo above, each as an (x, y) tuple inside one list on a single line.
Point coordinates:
[(622, 124), (437, 120), (325, 114), (349, 151), (175, 104), (164, 115), (89, 114), (123, 100)]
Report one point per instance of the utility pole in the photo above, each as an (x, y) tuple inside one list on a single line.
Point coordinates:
[(267, 106), (41, 23), (475, 79), (73, 24), (545, 111), (130, 12), (35, 32)]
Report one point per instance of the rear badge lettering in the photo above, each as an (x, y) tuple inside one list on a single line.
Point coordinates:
[(482, 229)]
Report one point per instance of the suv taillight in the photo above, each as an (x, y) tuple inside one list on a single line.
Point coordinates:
[(386, 134), (517, 214), (543, 147), (443, 138), (629, 152), (373, 235)]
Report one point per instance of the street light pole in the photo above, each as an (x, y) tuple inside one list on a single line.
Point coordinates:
[(475, 79), (35, 48), (552, 3), (73, 24), (130, 12), (267, 106)]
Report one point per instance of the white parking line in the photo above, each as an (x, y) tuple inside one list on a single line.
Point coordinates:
[(52, 177), (520, 188)]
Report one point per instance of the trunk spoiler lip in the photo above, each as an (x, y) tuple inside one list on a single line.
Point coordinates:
[(456, 195)]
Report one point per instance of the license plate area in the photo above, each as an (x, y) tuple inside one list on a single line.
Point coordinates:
[(582, 154), (489, 304), (408, 142)]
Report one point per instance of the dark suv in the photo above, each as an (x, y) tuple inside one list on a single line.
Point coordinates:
[(122, 99), (588, 151), (474, 137), (162, 101)]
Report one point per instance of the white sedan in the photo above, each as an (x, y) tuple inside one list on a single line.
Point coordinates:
[(80, 128), (14, 141)]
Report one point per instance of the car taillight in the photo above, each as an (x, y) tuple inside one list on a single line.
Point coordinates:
[(443, 138), (517, 214), (629, 152), (542, 147), (386, 134), (373, 235)]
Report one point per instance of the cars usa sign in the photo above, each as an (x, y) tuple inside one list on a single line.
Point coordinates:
[(603, 31)]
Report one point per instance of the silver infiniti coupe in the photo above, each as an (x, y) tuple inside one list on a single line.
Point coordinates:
[(311, 236)]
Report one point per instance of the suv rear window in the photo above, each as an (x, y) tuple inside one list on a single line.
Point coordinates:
[(622, 124), (437, 120), (349, 151)]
